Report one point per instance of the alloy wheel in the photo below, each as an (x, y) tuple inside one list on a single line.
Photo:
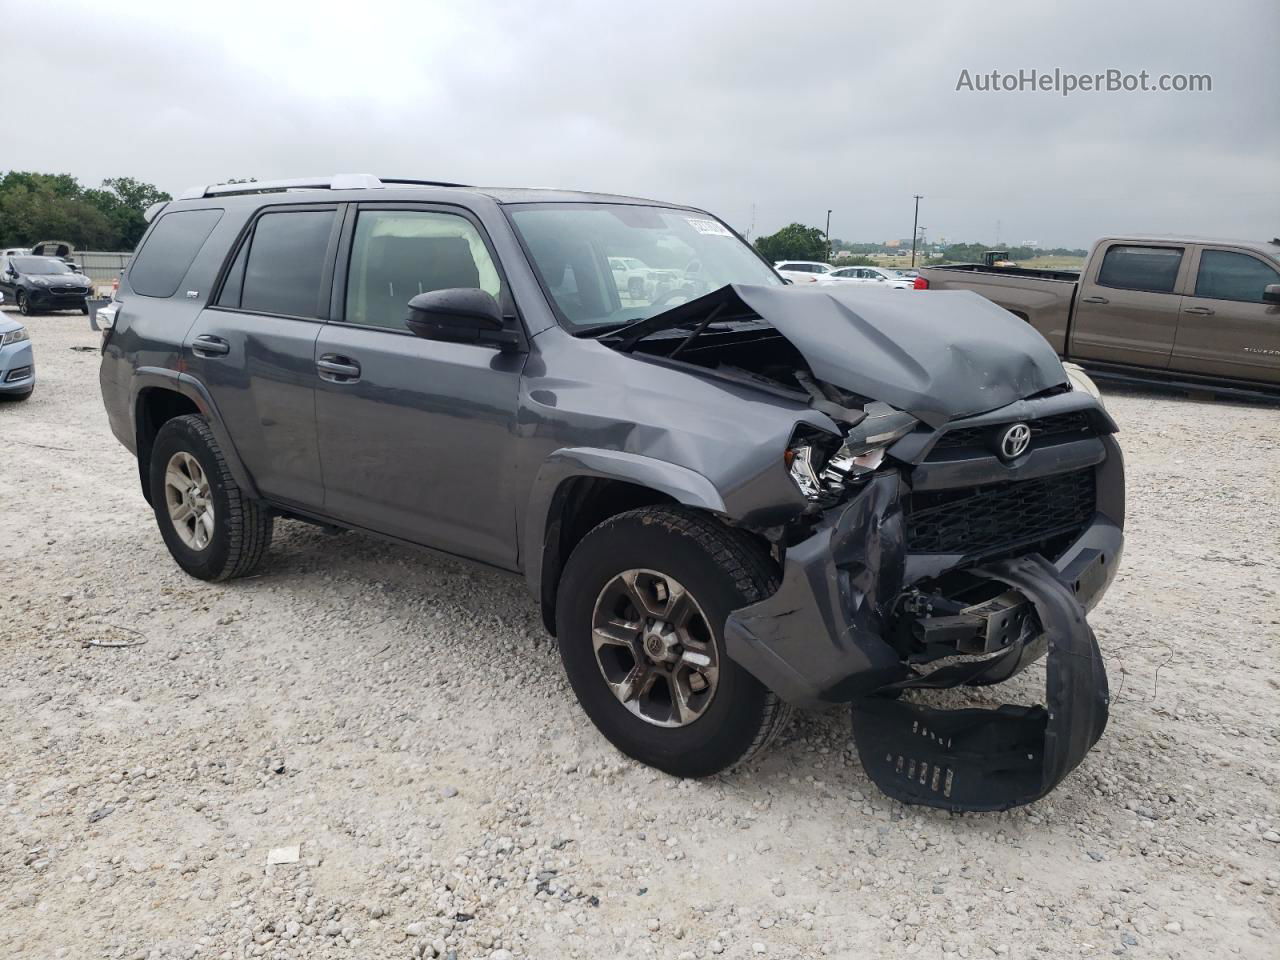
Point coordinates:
[(655, 648), (190, 503)]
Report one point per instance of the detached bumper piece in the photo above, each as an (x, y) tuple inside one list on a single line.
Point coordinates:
[(979, 759)]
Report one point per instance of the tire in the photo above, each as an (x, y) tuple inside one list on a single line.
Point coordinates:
[(234, 539), (84, 309), (24, 305), (722, 570)]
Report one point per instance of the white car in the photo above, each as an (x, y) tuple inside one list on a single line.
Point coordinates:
[(636, 280), (867, 275), (803, 271)]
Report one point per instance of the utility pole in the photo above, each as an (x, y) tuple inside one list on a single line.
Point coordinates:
[(914, 223), (828, 236)]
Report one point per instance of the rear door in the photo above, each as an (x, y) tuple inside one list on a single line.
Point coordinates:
[(254, 346), (1225, 328), (417, 437), (1127, 306)]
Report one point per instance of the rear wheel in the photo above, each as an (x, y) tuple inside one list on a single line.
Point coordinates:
[(640, 616), (211, 528)]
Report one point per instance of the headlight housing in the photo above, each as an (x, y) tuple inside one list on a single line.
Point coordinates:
[(825, 468), (14, 336), (40, 281), (1081, 381)]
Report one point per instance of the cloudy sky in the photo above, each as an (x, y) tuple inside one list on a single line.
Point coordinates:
[(775, 112)]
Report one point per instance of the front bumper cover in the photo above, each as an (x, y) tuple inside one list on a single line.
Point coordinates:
[(821, 639), (979, 759)]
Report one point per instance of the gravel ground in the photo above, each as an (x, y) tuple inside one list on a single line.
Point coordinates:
[(403, 721)]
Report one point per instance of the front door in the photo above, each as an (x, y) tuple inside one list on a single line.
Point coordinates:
[(1226, 329), (416, 436), (1126, 309), (254, 348)]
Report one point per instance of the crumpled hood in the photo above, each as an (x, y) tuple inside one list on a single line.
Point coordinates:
[(938, 355)]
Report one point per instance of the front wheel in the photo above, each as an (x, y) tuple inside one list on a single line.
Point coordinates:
[(211, 528), (24, 304), (640, 615)]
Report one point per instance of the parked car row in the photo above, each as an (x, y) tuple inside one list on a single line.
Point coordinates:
[(824, 274)]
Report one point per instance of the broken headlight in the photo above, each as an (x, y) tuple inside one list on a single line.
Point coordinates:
[(824, 468), (1082, 381)]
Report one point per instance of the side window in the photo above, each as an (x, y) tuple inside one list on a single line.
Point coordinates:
[(169, 251), (234, 284), (398, 254), (284, 269), (1224, 275), (1154, 269)]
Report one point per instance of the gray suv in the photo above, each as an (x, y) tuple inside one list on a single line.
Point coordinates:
[(729, 495)]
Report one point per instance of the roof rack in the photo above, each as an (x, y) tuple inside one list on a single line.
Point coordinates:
[(342, 181)]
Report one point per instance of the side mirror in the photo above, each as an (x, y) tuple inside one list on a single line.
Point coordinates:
[(1271, 293), (460, 315)]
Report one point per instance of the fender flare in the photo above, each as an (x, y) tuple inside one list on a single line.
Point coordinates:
[(164, 378), (683, 485)]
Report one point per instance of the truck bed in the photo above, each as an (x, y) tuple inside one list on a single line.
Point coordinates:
[(1071, 275)]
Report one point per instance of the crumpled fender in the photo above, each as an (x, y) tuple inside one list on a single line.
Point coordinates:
[(979, 759), (818, 638)]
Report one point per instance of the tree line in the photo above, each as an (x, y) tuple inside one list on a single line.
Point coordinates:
[(798, 242), (56, 206)]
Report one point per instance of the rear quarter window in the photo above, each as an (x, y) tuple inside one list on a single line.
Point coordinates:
[(169, 250)]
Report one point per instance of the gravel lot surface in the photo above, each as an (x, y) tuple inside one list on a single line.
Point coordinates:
[(403, 721)]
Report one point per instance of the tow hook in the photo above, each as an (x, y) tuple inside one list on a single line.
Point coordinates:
[(981, 628)]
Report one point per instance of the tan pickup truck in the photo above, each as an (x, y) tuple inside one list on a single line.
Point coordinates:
[(1201, 314)]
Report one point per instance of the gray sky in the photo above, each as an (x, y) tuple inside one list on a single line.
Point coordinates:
[(792, 108)]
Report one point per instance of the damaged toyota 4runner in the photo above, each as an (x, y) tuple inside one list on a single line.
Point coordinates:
[(729, 496)]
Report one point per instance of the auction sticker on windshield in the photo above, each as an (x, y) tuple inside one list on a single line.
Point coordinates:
[(711, 228)]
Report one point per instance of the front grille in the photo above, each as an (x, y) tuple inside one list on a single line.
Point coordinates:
[(1058, 428), (985, 522)]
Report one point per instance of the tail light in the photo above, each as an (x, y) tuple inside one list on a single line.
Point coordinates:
[(920, 283)]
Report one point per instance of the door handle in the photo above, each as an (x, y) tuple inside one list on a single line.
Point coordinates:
[(208, 346), (1095, 300), (338, 369), (1200, 311)]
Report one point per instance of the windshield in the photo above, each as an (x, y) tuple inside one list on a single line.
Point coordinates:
[(42, 265), (607, 264)]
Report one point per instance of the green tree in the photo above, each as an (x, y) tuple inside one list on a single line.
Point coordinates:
[(42, 206), (793, 242)]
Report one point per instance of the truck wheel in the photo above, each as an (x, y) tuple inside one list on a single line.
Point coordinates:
[(640, 614), (212, 529)]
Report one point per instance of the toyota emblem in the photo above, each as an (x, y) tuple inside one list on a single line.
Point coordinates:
[(1015, 441)]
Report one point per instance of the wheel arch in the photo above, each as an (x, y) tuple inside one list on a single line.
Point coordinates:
[(159, 395), (578, 488)]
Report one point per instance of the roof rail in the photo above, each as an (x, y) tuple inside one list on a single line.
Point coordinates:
[(342, 181), (424, 183)]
